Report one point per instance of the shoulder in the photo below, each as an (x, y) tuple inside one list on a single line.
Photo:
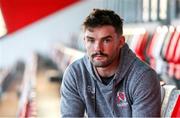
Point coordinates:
[(142, 72), (143, 80), (75, 66), (144, 90), (76, 69), (75, 75), (140, 68), (71, 74)]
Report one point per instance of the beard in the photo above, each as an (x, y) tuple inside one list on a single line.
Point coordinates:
[(101, 63)]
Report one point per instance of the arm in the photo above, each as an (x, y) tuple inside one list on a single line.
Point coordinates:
[(71, 103), (147, 96)]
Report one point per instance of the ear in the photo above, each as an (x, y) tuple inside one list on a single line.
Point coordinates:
[(122, 41)]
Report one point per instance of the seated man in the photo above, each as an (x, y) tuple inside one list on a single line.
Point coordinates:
[(110, 81)]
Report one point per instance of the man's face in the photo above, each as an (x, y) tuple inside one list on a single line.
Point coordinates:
[(103, 45)]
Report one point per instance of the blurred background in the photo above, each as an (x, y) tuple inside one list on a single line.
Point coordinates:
[(40, 38)]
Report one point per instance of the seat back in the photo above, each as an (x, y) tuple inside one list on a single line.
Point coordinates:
[(166, 91), (141, 46), (170, 99), (173, 105), (176, 110), (177, 61)]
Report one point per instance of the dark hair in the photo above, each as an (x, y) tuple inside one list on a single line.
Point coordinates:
[(101, 17)]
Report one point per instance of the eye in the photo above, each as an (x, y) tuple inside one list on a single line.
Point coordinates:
[(90, 40), (106, 40)]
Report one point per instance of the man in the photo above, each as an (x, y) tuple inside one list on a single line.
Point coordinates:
[(110, 81)]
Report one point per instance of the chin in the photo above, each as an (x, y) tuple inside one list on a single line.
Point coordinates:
[(100, 65)]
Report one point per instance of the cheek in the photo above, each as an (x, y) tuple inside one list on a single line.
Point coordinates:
[(88, 49), (113, 49)]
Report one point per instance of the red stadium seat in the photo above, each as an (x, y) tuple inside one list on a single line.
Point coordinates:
[(166, 91), (172, 45), (155, 48), (137, 41), (141, 46), (177, 60), (151, 46), (167, 42), (170, 54), (176, 110), (173, 104)]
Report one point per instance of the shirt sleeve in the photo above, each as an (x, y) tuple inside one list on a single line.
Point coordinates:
[(71, 104), (147, 96)]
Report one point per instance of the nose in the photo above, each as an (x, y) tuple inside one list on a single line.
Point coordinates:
[(97, 47)]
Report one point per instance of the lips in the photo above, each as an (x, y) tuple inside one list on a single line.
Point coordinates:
[(98, 57)]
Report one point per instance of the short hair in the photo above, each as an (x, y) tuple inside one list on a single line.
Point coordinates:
[(101, 17)]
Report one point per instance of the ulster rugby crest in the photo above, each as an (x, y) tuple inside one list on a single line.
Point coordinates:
[(121, 100)]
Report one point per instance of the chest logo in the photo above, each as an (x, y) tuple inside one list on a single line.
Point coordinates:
[(91, 92), (121, 100)]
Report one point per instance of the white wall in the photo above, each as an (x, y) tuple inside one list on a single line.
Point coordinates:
[(40, 35)]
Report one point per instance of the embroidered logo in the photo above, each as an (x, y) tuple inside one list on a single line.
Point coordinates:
[(91, 91), (121, 99)]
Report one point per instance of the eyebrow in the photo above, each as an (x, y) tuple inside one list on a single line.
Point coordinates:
[(89, 37), (106, 37)]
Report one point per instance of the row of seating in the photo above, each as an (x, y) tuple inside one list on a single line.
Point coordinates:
[(4, 81), (137, 40), (164, 48), (63, 56), (10, 75), (27, 104), (20, 79)]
